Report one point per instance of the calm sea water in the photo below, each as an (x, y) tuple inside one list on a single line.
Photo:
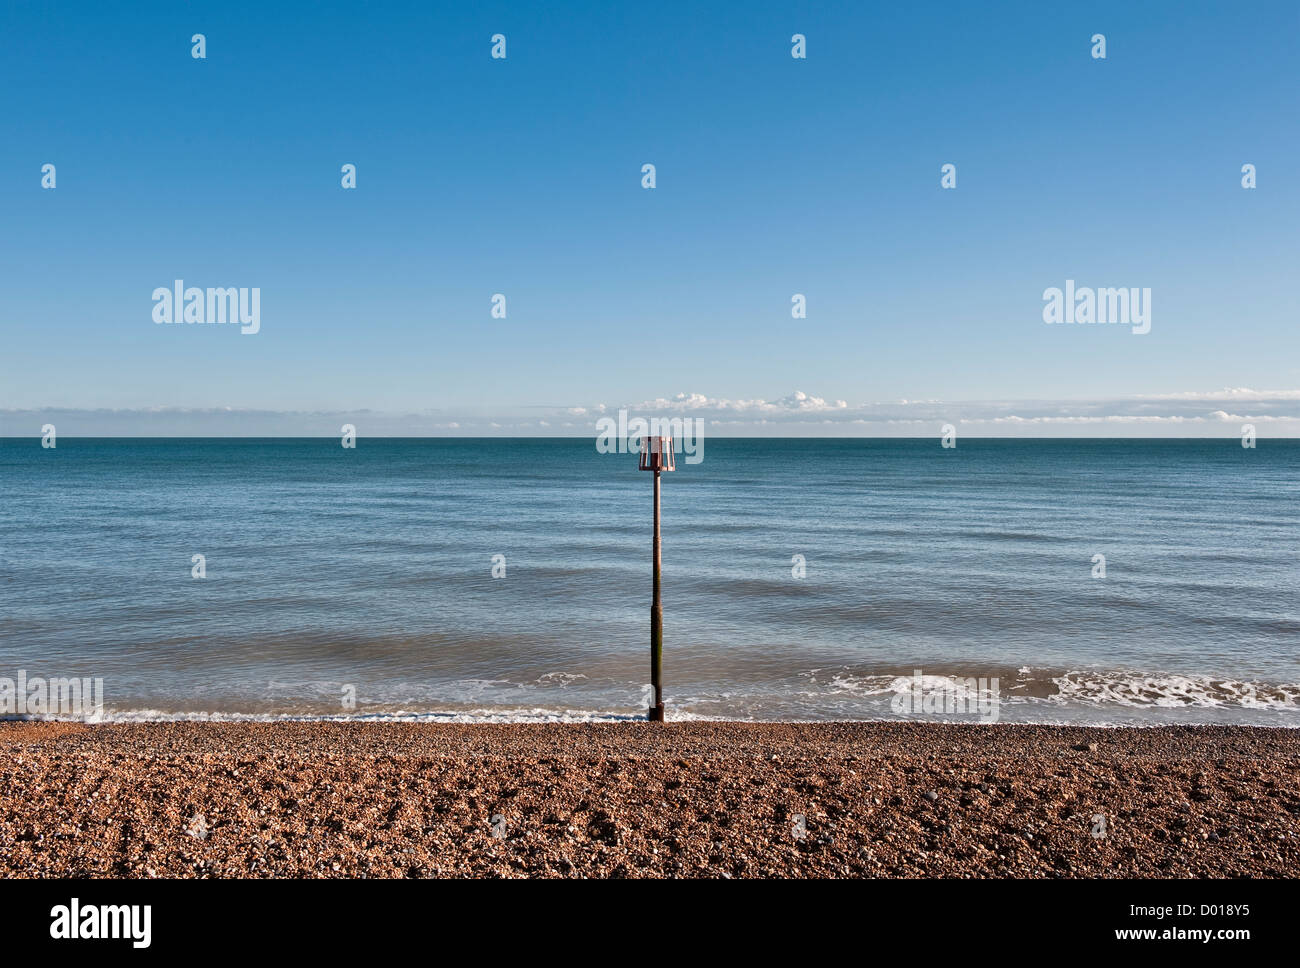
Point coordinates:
[(371, 570)]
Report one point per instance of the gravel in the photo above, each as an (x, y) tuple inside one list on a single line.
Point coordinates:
[(646, 800)]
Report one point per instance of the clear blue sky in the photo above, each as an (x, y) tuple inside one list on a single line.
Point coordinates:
[(522, 176)]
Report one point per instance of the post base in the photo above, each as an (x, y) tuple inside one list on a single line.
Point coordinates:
[(656, 713)]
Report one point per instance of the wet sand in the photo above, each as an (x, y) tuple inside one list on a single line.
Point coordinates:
[(641, 800)]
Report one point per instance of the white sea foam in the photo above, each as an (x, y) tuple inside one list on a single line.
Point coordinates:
[(562, 679), (843, 681), (1077, 696), (922, 685), (536, 715), (1171, 691)]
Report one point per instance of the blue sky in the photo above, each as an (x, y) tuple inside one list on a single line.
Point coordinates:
[(523, 176)]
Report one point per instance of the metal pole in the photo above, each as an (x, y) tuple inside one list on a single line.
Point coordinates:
[(656, 714)]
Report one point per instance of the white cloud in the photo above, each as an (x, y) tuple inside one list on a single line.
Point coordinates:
[(797, 402), (799, 413), (1227, 393)]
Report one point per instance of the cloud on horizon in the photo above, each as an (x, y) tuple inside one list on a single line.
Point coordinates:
[(1219, 413)]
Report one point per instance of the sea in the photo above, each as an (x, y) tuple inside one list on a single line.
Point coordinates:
[(1111, 582)]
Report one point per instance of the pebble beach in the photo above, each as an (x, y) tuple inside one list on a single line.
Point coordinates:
[(697, 799)]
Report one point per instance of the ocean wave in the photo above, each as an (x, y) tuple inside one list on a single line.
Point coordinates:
[(1138, 690), (1073, 688), (825, 694), (537, 715)]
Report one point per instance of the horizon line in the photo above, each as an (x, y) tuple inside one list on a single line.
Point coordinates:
[(37, 437)]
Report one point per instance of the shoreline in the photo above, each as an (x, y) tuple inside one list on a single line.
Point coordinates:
[(682, 799), (597, 719)]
